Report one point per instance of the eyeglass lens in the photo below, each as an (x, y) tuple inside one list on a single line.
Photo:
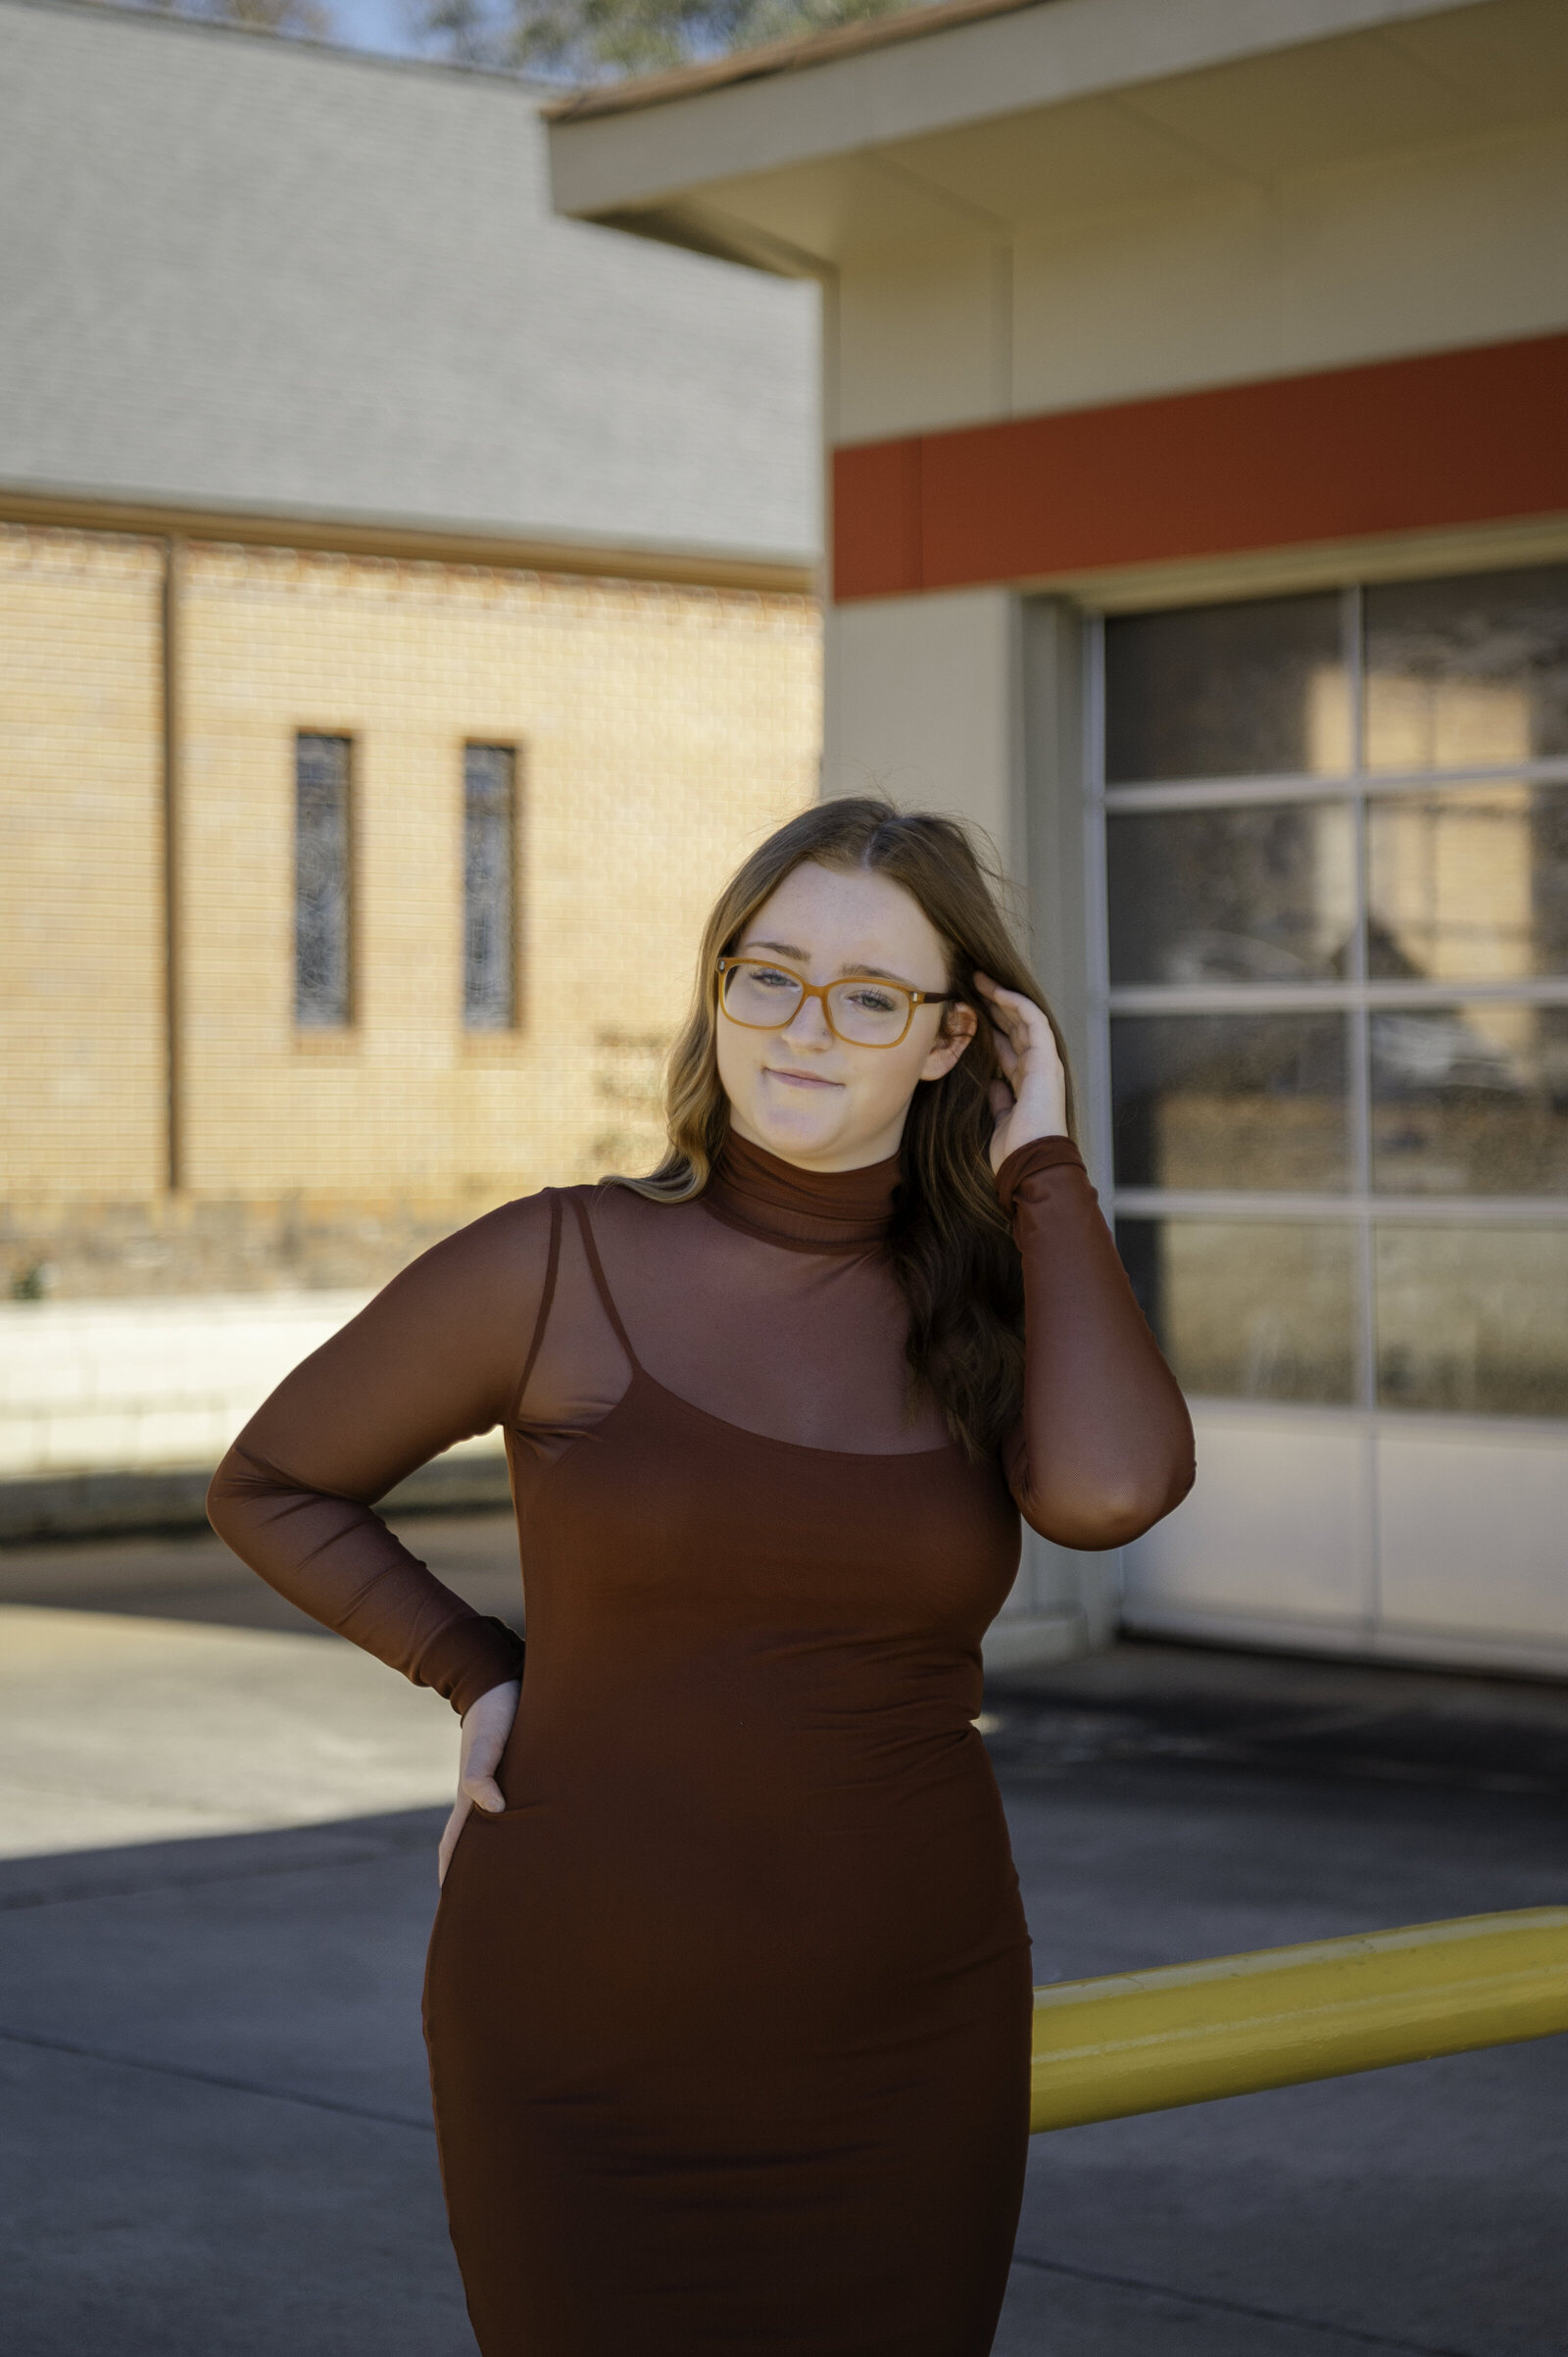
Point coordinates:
[(874, 1014)]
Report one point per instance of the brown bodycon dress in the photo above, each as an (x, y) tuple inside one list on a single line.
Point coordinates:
[(730, 2012)]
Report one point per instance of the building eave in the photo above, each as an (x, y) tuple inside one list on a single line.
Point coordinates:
[(650, 149)]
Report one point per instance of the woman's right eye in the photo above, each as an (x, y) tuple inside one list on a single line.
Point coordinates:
[(769, 977)]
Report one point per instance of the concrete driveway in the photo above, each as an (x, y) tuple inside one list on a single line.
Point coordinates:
[(215, 2135)]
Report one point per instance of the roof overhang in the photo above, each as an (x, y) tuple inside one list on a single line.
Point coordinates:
[(974, 117)]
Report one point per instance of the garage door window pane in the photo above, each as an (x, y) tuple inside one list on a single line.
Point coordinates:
[(1255, 1310), (1263, 894), (1470, 1100), (1473, 1321), (1232, 1102), (1470, 885), (1227, 690), (1467, 674)]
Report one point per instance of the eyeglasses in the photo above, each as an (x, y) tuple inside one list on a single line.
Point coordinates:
[(861, 1008)]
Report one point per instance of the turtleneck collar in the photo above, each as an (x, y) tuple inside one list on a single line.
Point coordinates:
[(808, 1210)]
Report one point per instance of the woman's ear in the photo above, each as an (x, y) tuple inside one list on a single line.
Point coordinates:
[(960, 1024)]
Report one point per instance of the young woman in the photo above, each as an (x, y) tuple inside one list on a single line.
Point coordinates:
[(728, 1999)]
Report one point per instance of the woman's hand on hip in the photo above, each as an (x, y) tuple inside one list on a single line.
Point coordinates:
[(1030, 1099), (486, 1725)]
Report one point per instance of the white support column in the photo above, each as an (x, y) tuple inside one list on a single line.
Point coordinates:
[(923, 701), (970, 702)]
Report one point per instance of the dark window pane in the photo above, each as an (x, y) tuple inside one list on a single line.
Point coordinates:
[(489, 867), (1470, 1100), (1249, 1309), (1230, 1101), (1472, 1320), (1227, 690), (1467, 674), (322, 868), (1468, 885), (1244, 895)]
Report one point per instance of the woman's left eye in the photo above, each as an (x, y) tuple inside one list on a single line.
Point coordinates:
[(873, 998)]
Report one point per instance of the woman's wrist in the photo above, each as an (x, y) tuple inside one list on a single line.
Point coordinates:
[(1033, 1160)]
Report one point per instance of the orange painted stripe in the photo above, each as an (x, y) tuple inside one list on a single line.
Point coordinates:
[(1448, 438)]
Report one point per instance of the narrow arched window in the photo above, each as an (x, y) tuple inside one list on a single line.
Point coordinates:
[(489, 888)]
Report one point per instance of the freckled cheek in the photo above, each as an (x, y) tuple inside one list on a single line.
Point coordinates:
[(887, 1081), (740, 1060)]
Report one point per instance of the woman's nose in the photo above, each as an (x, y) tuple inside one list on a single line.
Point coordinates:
[(809, 1025)]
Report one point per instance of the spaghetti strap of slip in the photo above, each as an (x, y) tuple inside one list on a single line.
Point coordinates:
[(601, 1283), (546, 1298)]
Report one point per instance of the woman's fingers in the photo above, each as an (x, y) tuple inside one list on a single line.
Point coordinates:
[(449, 1837), (486, 1726), (1018, 1018)]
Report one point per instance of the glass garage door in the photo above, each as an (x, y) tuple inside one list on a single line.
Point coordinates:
[(1335, 1099)]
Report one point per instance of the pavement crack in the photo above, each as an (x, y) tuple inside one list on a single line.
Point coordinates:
[(1269, 2316), (220, 2079)]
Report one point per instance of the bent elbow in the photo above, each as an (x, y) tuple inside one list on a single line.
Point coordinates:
[(1110, 1513), (231, 1497)]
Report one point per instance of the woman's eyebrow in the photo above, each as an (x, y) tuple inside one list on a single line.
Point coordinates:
[(782, 949), (872, 973)]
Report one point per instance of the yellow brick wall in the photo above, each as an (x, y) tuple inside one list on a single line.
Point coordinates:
[(82, 927), (660, 731)]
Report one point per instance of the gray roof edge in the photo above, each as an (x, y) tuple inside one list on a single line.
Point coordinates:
[(140, 512)]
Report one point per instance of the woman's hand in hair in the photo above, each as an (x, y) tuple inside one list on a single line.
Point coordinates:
[(1030, 1099), (486, 1725)]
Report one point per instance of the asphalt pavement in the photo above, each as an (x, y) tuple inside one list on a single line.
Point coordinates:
[(214, 2134)]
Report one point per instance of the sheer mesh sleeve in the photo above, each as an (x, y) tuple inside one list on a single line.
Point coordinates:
[(1105, 1445), (438, 1356)]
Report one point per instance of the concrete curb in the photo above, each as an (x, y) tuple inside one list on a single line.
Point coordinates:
[(100, 1505)]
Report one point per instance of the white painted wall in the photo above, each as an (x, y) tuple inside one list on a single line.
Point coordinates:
[(922, 698), (1461, 242), (142, 1385), (1435, 1540)]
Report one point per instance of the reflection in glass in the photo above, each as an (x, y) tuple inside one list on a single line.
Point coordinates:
[(1468, 885), (1467, 674), (1473, 1321), (1227, 690), (1257, 893), (1249, 1309), (1470, 1100), (1230, 1101)]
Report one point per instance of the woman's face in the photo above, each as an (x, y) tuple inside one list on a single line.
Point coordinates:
[(804, 1094)]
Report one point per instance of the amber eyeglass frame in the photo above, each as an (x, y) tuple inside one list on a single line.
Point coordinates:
[(820, 989)]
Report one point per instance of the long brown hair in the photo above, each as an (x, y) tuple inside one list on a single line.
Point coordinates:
[(950, 1249)]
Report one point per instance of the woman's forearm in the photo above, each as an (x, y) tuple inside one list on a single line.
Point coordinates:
[(335, 1559), (437, 1357), (1105, 1445)]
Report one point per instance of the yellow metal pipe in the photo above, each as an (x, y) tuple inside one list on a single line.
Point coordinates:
[(1189, 2032)]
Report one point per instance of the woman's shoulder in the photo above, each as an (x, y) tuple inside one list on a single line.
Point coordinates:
[(526, 1223)]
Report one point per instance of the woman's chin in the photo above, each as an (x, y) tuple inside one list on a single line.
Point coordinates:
[(794, 1130)]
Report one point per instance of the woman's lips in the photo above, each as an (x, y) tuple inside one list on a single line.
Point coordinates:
[(800, 1080)]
